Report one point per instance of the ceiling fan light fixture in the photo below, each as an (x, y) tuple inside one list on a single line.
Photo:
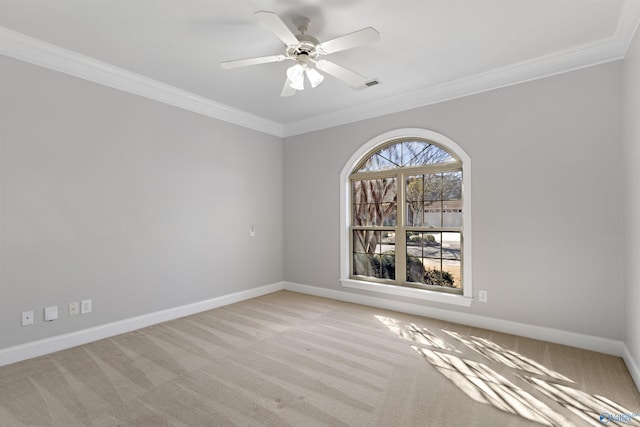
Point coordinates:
[(304, 50), (315, 78), (296, 75)]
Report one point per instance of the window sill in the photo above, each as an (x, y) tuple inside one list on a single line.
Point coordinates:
[(421, 294)]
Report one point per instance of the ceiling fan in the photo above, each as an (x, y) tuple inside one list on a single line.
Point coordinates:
[(305, 51)]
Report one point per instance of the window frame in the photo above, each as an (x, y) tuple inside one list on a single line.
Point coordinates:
[(463, 162)]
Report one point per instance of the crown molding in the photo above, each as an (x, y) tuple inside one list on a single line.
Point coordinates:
[(478, 83), (25, 48), (608, 50), (628, 24), (34, 51)]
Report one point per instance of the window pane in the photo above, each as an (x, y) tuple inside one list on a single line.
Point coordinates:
[(432, 272), (388, 265), (387, 214), (388, 242), (374, 202), (361, 214), (432, 214), (445, 274), (433, 186), (411, 152), (374, 190), (367, 241), (364, 265), (405, 153), (431, 247), (359, 241), (374, 214), (452, 273), (452, 214), (415, 269), (452, 185), (377, 163), (380, 266), (428, 188), (430, 154), (415, 212), (451, 246), (415, 242), (393, 153), (423, 244), (422, 249), (433, 258), (415, 188)]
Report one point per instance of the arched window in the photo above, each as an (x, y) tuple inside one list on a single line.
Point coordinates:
[(406, 208)]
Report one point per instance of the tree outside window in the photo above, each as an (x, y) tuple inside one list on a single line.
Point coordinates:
[(406, 222)]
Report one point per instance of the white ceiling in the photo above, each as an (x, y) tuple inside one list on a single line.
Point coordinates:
[(430, 50)]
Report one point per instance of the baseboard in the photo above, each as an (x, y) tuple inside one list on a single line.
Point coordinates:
[(573, 339), (632, 366), (61, 342)]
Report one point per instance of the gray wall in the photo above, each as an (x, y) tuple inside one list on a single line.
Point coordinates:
[(135, 204), (631, 79), (141, 206), (547, 198)]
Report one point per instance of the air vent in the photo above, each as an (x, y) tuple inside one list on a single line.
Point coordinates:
[(368, 83)]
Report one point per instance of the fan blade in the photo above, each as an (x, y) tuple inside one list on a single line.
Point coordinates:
[(273, 22), (287, 90), (252, 61), (348, 41), (349, 77)]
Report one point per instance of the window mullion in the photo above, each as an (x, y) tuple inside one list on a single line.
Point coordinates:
[(401, 247)]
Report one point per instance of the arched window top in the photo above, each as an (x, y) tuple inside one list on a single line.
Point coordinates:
[(407, 162), (405, 153)]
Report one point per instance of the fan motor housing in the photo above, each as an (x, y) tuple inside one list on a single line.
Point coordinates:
[(306, 47)]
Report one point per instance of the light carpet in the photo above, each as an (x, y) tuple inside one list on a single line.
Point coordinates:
[(287, 359)]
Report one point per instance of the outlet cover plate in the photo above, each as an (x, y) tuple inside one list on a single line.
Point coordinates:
[(483, 296), (74, 308), (86, 306), (27, 318)]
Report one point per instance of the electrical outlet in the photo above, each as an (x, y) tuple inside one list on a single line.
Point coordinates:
[(27, 318), (74, 308), (483, 296), (85, 306)]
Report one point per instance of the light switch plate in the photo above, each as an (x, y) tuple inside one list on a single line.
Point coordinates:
[(50, 313)]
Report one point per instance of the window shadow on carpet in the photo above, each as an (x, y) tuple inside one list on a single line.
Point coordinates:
[(485, 385)]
